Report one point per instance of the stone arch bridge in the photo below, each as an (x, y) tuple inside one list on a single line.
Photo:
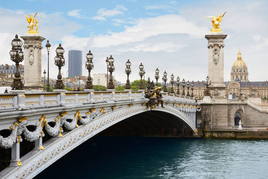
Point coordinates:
[(58, 122)]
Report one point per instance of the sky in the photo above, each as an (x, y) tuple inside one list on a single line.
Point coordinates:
[(164, 34)]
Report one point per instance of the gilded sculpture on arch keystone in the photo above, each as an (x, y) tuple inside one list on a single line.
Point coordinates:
[(216, 23), (32, 24)]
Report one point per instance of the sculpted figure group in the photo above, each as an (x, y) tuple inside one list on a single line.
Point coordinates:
[(154, 95)]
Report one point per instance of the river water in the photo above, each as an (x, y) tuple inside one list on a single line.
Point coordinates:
[(138, 158)]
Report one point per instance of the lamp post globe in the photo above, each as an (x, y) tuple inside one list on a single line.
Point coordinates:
[(156, 75), (89, 66), (183, 87), (165, 81), (141, 73), (110, 66), (16, 55), (178, 85), (172, 83), (188, 88), (192, 89), (48, 46), (128, 71), (59, 62)]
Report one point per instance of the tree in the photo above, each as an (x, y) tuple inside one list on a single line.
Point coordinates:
[(135, 85), (119, 88), (99, 88)]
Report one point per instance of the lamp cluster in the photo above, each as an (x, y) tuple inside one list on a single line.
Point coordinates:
[(16, 54)]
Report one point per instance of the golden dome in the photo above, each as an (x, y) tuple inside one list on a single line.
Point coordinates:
[(239, 63)]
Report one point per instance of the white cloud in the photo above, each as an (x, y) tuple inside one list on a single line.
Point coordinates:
[(75, 13), (103, 14), (144, 28)]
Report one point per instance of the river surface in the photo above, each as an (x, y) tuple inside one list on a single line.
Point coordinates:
[(138, 158)]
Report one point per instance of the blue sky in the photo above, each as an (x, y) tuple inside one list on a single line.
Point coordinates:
[(168, 34)]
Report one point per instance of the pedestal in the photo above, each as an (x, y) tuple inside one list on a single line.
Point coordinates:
[(32, 61)]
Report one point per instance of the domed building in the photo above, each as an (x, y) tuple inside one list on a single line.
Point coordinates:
[(239, 70)]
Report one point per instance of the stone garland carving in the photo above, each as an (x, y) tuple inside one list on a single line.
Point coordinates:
[(7, 142), (38, 132), (56, 129)]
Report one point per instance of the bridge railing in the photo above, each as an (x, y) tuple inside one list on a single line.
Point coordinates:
[(51, 99)]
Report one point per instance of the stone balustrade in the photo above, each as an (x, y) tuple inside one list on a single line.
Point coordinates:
[(51, 99)]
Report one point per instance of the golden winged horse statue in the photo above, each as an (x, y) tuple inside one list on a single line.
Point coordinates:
[(216, 22), (33, 24)]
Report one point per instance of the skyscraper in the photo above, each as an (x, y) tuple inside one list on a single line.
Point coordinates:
[(74, 63)]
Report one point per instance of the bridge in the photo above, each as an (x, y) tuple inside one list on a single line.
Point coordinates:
[(57, 122)]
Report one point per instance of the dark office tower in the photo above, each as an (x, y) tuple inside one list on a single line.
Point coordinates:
[(74, 63)]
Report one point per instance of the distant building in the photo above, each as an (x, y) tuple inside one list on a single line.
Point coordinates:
[(74, 63), (100, 79), (7, 74)]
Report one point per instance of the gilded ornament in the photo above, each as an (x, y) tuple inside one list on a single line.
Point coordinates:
[(32, 24), (216, 23)]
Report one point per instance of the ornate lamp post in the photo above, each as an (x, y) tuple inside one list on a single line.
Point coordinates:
[(156, 75), (142, 73), (89, 66), (172, 83), (207, 92), (59, 62), (183, 87), (110, 63), (44, 72), (107, 75), (188, 88), (192, 89), (16, 55), (178, 85), (48, 46), (165, 81), (128, 71)]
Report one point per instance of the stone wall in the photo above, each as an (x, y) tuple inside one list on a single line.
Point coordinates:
[(221, 116)]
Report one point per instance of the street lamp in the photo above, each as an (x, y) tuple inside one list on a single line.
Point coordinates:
[(188, 88), (110, 63), (44, 72), (178, 85), (207, 92), (183, 87), (142, 73), (172, 83), (192, 89), (128, 71), (156, 75), (48, 50), (165, 81), (16, 55), (59, 62), (89, 66)]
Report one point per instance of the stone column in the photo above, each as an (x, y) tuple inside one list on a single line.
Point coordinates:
[(216, 58), (32, 61)]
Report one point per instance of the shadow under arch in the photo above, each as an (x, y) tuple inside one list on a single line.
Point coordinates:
[(154, 123)]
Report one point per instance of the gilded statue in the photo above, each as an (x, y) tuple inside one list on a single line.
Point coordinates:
[(33, 24), (216, 22)]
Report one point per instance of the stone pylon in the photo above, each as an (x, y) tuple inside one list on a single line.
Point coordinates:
[(32, 61), (216, 58)]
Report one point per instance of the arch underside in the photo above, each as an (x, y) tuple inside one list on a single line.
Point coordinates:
[(36, 161)]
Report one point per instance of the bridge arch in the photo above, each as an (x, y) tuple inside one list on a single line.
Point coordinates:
[(35, 162)]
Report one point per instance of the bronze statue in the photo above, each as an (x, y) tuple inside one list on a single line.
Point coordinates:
[(154, 95)]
